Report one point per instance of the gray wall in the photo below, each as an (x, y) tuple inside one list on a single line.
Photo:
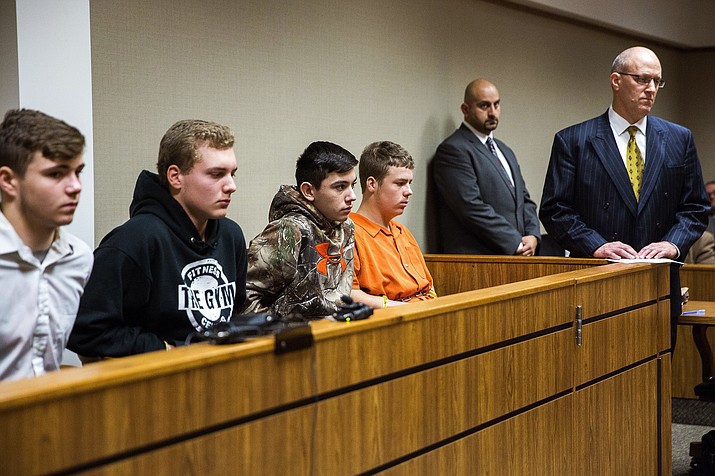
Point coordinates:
[(351, 72), (9, 83)]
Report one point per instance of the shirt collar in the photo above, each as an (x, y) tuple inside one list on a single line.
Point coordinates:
[(10, 242), (373, 228), (480, 136), (620, 125)]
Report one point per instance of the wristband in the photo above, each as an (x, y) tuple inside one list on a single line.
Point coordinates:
[(384, 301)]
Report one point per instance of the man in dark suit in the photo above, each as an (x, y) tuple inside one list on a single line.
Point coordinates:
[(625, 184), (482, 201)]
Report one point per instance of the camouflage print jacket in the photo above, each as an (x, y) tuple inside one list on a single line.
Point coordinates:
[(301, 264)]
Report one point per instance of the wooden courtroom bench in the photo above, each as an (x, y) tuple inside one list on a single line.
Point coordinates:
[(561, 374)]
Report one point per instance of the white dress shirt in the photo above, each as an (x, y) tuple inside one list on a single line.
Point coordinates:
[(39, 301)]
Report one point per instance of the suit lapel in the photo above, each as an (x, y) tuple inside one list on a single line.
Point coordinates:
[(607, 151), (655, 156), (485, 155), (511, 160)]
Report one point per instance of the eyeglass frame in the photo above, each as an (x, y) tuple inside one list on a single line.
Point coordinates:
[(659, 83)]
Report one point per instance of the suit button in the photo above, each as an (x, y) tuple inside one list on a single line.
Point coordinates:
[(606, 205)]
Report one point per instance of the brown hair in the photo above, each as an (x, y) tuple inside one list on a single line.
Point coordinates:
[(378, 157), (180, 144), (25, 131)]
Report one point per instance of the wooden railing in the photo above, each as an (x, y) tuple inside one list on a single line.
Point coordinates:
[(459, 273), (490, 381)]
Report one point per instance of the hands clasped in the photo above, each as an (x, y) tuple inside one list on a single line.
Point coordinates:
[(618, 250)]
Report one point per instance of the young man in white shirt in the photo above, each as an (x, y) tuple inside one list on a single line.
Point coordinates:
[(43, 269)]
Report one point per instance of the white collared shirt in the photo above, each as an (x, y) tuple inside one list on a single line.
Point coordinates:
[(483, 139), (39, 301), (619, 127)]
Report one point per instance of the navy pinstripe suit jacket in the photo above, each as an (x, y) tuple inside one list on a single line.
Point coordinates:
[(588, 199)]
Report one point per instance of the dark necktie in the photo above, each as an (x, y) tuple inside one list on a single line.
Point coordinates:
[(490, 144)]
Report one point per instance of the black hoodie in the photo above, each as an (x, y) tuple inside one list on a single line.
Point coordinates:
[(155, 281)]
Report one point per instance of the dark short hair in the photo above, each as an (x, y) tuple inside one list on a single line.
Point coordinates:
[(320, 159), (181, 142), (378, 157), (26, 131)]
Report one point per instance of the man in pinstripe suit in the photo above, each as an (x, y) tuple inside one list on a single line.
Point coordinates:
[(589, 203)]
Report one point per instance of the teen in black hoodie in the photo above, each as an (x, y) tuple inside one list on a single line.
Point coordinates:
[(178, 265)]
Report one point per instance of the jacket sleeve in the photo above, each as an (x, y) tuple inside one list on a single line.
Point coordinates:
[(691, 217), (115, 285), (272, 264), (532, 226)]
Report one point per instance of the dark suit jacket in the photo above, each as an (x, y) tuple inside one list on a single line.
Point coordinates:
[(479, 212), (588, 199)]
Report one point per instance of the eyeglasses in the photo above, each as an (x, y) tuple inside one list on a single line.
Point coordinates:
[(645, 81)]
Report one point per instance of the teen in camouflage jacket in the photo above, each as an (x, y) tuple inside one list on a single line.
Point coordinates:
[(301, 265)]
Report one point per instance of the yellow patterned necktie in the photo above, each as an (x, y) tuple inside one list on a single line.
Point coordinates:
[(635, 162)]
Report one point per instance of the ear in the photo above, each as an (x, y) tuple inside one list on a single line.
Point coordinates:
[(465, 108), (308, 191), (616, 81), (8, 182), (174, 177), (371, 184)]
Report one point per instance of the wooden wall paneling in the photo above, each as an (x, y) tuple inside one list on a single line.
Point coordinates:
[(664, 325), (458, 327), (617, 341), (599, 296), (538, 442), (401, 416), (272, 446), (616, 424), (666, 414)]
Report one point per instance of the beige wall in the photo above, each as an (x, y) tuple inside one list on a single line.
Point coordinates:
[(9, 83), (350, 72)]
